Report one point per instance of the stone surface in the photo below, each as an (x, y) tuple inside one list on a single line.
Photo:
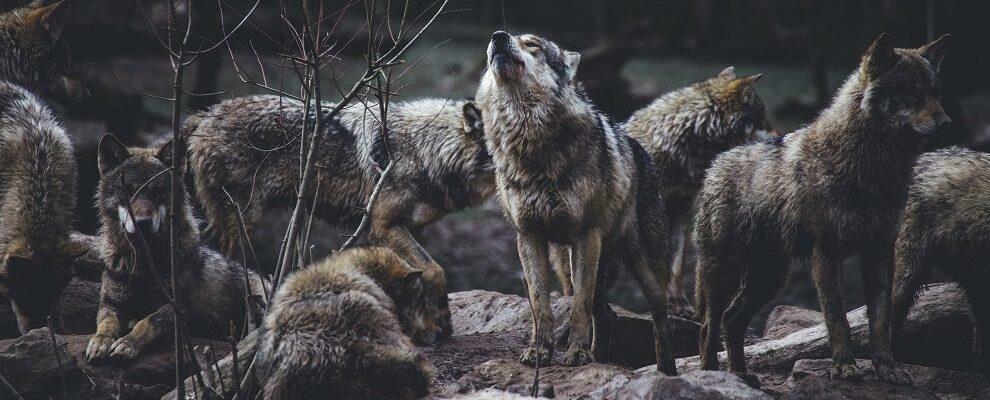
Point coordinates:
[(810, 380), (785, 320), (937, 333), (708, 385)]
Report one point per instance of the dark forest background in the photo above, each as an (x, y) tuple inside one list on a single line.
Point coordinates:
[(633, 51)]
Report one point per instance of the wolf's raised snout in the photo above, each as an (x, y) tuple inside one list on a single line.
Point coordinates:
[(500, 39)]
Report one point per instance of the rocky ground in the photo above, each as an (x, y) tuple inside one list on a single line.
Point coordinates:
[(479, 361)]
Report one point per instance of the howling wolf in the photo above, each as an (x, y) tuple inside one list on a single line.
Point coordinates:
[(827, 191), (566, 176)]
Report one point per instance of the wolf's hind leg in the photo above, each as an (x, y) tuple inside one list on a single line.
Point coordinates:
[(757, 289), (676, 296), (653, 281), (560, 260)]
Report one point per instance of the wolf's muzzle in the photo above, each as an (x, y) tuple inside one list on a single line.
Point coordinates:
[(500, 41), (147, 218)]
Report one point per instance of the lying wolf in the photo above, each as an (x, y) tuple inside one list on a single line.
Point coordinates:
[(214, 291), (827, 191), (334, 328), (249, 147), (567, 177)]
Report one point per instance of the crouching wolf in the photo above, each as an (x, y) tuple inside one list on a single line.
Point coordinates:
[(249, 148), (567, 177), (132, 198), (683, 131), (946, 224), (333, 329), (827, 191), (37, 168)]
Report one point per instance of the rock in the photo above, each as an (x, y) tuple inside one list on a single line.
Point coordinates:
[(78, 305), (488, 394), (455, 357), (784, 320), (34, 369), (937, 333), (29, 364), (709, 385), (479, 311), (810, 380), (562, 382)]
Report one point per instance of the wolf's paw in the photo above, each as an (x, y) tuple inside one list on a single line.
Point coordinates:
[(750, 379), (99, 347), (536, 354), (895, 376), (578, 357), (124, 349), (846, 372)]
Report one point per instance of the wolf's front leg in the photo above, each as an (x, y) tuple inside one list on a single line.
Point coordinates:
[(585, 254), (826, 270), (159, 323), (107, 331), (877, 271), (535, 260)]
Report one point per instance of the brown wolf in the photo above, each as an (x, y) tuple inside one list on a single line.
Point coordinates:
[(249, 148), (334, 328), (683, 131), (567, 177), (37, 168), (946, 225), (827, 191), (132, 199), (35, 55), (38, 177)]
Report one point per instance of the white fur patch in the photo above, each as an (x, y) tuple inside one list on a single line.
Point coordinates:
[(125, 219)]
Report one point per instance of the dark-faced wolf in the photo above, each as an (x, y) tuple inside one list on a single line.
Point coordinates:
[(37, 168), (827, 191), (566, 176), (683, 131), (336, 327), (132, 200), (946, 225), (249, 148)]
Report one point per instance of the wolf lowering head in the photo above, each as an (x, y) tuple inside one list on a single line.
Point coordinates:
[(34, 52)]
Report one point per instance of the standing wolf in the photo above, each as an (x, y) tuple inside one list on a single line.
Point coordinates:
[(132, 199), (37, 168), (826, 191), (683, 131), (946, 224), (249, 148), (334, 331), (567, 177)]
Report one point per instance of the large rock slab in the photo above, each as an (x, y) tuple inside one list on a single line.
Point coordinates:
[(938, 333), (30, 365), (810, 380), (707, 385), (479, 311), (785, 320)]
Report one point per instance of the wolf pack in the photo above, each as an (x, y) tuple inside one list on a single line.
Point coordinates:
[(585, 195)]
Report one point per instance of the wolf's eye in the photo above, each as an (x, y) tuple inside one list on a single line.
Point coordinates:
[(531, 45)]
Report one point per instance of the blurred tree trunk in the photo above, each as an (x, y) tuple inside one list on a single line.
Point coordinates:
[(207, 26)]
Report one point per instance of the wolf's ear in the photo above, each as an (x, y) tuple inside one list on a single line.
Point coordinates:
[(413, 279), (164, 152), (728, 73), (50, 18), (740, 84), (571, 59), (879, 58), (112, 153), (935, 51), (472, 119)]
